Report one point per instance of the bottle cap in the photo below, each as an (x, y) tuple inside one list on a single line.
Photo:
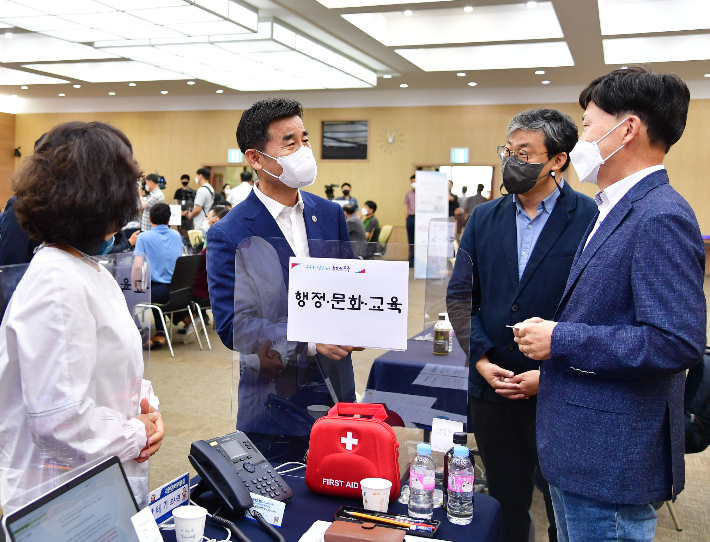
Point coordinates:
[(460, 438), (423, 448), (460, 451), (442, 316)]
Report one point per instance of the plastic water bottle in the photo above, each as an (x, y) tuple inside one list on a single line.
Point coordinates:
[(459, 507), (422, 479), (460, 439)]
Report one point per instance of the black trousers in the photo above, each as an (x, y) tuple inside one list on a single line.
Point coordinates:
[(410, 238), (160, 293), (505, 434)]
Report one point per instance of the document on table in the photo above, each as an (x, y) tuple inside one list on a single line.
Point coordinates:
[(443, 376), (318, 529), (411, 408)]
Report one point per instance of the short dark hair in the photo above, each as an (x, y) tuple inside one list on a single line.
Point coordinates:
[(79, 185), (220, 211), (225, 185), (185, 176), (246, 176), (205, 172), (660, 100), (253, 129), (413, 177), (559, 130), (480, 187), (372, 205), (152, 177), (160, 214), (464, 189), (349, 208), (344, 184)]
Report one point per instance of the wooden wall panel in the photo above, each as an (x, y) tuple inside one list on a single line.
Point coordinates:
[(7, 158), (179, 142)]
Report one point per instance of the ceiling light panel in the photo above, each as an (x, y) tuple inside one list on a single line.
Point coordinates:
[(512, 22), (108, 72), (209, 28), (63, 7), (143, 32), (339, 4), (18, 77), (643, 16), (83, 35), (107, 21), (657, 49), (175, 15), (42, 23), (36, 48), (490, 57), (13, 9), (126, 5)]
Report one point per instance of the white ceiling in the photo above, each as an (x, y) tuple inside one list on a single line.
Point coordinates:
[(467, 47)]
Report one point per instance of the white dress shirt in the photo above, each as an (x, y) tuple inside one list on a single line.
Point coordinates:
[(607, 199), (71, 377)]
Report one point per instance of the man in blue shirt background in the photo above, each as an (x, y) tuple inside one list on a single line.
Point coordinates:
[(514, 259), (162, 247)]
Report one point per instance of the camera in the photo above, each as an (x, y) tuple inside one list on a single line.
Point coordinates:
[(329, 190)]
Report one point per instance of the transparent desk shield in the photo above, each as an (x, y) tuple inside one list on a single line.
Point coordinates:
[(74, 371), (439, 264), (280, 387)]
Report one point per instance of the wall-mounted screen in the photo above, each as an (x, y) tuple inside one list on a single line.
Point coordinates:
[(345, 140)]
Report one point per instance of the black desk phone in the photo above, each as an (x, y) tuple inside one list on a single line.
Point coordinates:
[(232, 467)]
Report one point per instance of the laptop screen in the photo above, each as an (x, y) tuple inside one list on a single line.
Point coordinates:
[(96, 507)]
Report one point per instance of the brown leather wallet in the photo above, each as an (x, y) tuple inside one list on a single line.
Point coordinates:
[(350, 531)]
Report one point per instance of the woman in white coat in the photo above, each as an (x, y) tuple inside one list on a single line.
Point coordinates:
[(71, 363)]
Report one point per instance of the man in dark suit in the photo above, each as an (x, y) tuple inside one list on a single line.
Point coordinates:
[(514, 259), (292, 223), (631, 321)]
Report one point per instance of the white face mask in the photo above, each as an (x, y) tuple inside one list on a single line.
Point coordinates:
[(364, 212), (197, 181), (299, 168), (587, 158), (227, 191)]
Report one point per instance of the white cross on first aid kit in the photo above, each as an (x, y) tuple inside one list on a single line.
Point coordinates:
[(349, 441)]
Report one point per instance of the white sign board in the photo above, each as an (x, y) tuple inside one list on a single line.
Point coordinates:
[(348, 302), (175, 215), (432, 201)]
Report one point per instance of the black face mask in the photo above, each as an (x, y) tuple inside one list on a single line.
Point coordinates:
[(519, 177), (346, 192), (185, 183)]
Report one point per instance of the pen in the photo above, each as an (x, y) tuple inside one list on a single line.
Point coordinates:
[(408, 525)]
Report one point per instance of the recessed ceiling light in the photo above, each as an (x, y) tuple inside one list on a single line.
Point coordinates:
[(403, 85), (472, 84), (468, 9), (111, 93), (131, 84), (62, 94), (77, 86), (540, 72), (387, 76), (531, 5), (546, 82), (24, 87), (408, 12), (706, 75), (461, 74), (163, 91), (220, 91), (190, 82), (8, 35)]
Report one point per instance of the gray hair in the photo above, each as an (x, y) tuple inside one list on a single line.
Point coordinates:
[(559, 129)]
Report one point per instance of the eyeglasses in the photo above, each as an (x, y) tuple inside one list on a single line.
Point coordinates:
[(522, 155)]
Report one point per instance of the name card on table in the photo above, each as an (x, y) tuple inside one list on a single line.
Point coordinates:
[(348, 302), (171, 495)]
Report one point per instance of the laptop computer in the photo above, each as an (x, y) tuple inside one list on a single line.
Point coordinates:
[(95, 504)]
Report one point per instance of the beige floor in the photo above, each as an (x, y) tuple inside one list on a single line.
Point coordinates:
[(195, 392)]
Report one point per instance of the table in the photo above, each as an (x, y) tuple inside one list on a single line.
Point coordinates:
[(306, 507), (396, 371)]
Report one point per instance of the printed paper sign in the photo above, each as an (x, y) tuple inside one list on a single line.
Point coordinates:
[(348, 302), (432, 201), (175, 215), (171, 495), (273, 511), (442, 434), (145, 527)]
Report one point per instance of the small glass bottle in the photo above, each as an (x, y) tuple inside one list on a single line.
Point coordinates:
[(442, 338)]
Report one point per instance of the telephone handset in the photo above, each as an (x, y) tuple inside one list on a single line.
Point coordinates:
[(232, 467)]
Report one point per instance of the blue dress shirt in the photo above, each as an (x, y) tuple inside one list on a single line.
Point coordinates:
[(162, 247), (529, 230)]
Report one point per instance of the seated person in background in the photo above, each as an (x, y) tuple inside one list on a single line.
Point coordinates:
[(240, 193), (162, 247), (356, 229), (346, 198), (217, 212), (71, 366), (369, 220)]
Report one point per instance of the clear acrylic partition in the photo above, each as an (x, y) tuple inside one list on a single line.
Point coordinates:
[(279, 386), (80, 371), (439, 264)]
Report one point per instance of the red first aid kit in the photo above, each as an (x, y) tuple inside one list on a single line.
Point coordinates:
[(345, 449)]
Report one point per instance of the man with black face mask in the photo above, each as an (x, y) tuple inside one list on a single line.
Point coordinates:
[(185, 197), (514, 259)]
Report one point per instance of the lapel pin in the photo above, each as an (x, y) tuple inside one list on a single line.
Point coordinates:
[(313, 218)]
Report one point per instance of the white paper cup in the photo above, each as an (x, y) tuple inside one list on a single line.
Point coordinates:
[(189, 523), (375, 494)]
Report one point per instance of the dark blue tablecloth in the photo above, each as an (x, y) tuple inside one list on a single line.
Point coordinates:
[(306, 507), (395, 372)]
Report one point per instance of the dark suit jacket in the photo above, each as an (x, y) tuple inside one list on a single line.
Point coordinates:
[(631, 321), (485, 278), (324, 221), (15, 245)]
